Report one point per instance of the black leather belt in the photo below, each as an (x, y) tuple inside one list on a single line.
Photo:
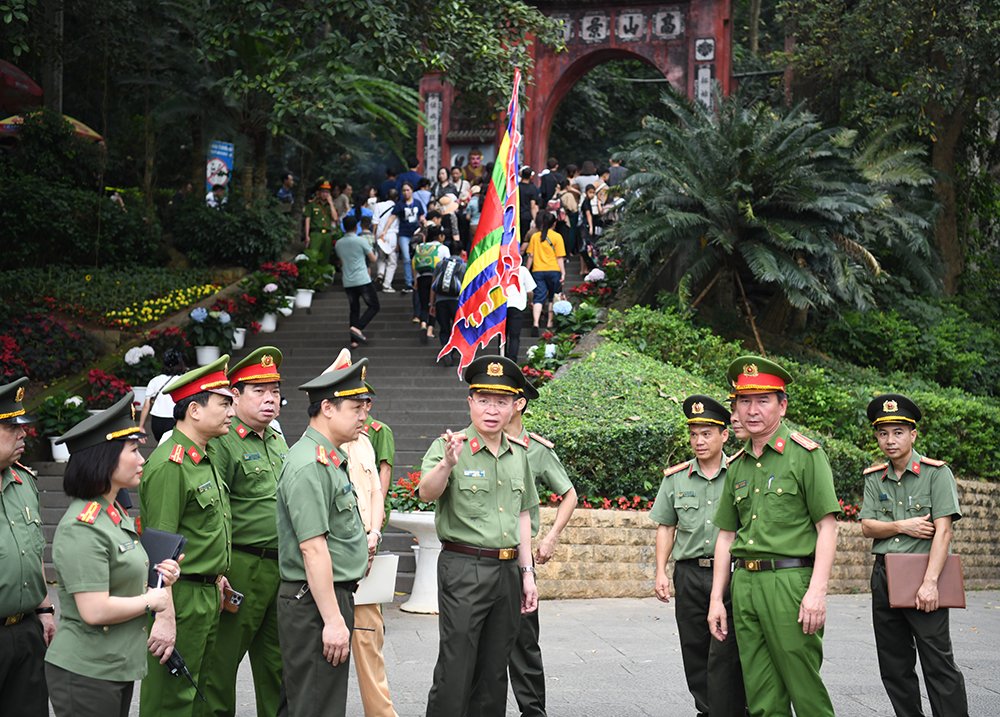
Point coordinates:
[(351, 585), (700, 562), (495, 553), (755, 566), (12, 619), (203, 579), (269, 553)]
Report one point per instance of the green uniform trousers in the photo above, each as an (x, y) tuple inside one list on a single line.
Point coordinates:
[(780, 663), (313, 685), (900, 634), (22, 669), (712, 668), (253, 629), (196, 606), (323, 243), (480, 604), (527, 674), (75, 695)]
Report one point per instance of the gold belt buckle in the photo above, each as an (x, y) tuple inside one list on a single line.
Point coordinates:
[(507, 553), (13, 620), (704, 562), (753, 565)]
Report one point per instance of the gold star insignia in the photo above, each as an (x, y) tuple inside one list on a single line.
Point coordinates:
[(267, 360), (750, 370)]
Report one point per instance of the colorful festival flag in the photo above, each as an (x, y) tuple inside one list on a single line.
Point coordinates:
[(495, 255)]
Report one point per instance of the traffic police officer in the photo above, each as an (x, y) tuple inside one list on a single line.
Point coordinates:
[(910, 504), (683, 512), (249, 459), (102, 571), (320, 219), (322, 547), (777, 516), (182, 492), (384, 444), (483, 487), (27, 624), (527, 675)]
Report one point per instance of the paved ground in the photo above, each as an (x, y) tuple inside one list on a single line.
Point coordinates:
[(620, 658)]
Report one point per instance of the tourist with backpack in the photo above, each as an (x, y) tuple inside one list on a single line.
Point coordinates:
[(446, 287), (426, 256)]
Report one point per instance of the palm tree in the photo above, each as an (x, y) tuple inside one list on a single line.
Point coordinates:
[(767, 199)]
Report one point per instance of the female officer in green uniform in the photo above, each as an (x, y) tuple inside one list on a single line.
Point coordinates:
[(99, 650)]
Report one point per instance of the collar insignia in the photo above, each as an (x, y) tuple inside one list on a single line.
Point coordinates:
[(115, 516), (750, 369), (494, 369), (195, 455), (779, 445), (474, 443), (915, 467), (241, 431)]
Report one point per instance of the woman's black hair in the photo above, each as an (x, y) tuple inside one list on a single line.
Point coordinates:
[(544, 221), (88, 473), (173, 360)]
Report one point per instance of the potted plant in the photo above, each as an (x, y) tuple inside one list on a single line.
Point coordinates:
[(105, 390), (139, 366), (54, 416), (406, 511), (241, 316), (211, 332), (267, 300), (314, 274)]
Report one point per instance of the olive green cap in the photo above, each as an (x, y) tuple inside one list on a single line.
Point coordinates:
[(495, 374), (705, 410), (113, 424), (346, 382), (893, 408), (11, 395), (756, 374)]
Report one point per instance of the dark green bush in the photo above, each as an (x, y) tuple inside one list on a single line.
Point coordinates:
[(47, 347), (234, 236)]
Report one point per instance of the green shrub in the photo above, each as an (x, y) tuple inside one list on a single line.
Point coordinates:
[(234, 236), (48, 347)]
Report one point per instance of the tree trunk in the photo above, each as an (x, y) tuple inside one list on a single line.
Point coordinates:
[(946, 236), (52, 71), (260, 166), (754, 38)]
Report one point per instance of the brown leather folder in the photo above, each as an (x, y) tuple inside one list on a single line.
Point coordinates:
[(905, 573)]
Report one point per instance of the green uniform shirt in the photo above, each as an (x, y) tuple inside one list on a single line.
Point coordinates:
[(774, 502), (688, 499), (22, 581), (546, 468), (320, 219), (100, 556), (382, 440), (181, 493), (923, 489), (249, 465), (485, 495), (316, 497)]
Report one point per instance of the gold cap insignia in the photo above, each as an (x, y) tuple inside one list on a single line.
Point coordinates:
[(890, 407), (494, 369), (364, 372), (750, 370), (19, 396), (132, 407), (267, 360), (697, 408)]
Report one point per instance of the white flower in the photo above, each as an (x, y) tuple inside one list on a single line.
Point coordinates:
[(270, 288), (133, 356), (147, 350), (594, 276), (73, 401), (224, 317), (531, 352), (562, 308), (301, 258), (550, 351)]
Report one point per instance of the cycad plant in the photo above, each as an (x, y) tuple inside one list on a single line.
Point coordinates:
[(766, 199)]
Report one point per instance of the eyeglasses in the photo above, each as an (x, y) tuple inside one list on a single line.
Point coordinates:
[(493, 402)]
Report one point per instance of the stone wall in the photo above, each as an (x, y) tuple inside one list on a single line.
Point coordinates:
[(608, 553)]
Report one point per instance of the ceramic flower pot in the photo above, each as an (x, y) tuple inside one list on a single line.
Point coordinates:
[(239, 338), (289, 306), (206, 354), (139, 395), (304, 298), (60, 453), (269, 323)]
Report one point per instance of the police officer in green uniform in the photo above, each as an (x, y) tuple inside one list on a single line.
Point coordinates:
[(249, 459), (909, 506), (102, 571), (527, 674), (683, 512), (27, 624), (483, 487), (320, 220), (182, 492), (777, 518), (384, 443), (322, 546)]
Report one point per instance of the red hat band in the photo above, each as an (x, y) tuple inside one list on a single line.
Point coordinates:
[(760, 383), (214, 380), (255, 373)]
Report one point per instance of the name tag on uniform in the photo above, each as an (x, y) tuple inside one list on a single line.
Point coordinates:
[(251, 456), (474, 474), (204, 486), (126, 546), (741, 484), (883, 496), (688, 494)]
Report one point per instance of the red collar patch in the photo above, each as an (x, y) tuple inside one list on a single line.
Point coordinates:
[(195, 455), (177, 454), (915, 467), (138, 524), (335, 459), (475, 445), (779, 445), (241, 430), (364, 429), (17, 478), (113, 513)]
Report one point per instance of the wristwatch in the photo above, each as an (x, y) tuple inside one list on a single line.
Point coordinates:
[(527, 568), (48, 610)]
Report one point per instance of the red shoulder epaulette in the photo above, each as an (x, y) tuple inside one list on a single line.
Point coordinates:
[(736, 455), (30, 471), (177, 454), (932, 461), (675, 469), (876, 468), (89, 514), (544, 441), (807, 443), (523, 442), (321, 456), (376, 425)]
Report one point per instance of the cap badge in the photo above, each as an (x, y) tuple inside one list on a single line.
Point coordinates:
[(890, 407), (19, 396), (494, 369), (267, 360), (750, 369), (364, 372), (132, 408), (697, 408)]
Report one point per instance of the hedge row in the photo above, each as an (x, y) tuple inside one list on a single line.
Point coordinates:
[(830, 400), (616, 420)]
